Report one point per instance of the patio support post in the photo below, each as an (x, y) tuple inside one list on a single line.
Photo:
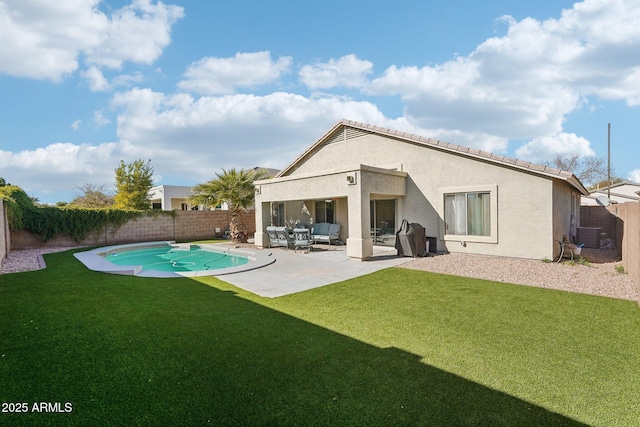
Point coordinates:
[(359, 242), (263, 218)]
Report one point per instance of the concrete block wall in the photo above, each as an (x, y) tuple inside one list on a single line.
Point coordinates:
[(621, 222), (186, 226), (629, 213), (143, 229), (194, 225), (598, 216), (5, 241)]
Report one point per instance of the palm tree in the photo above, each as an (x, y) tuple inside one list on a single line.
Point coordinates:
[(235, 188)]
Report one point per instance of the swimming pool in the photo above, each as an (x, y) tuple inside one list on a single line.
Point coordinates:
[(171, 258), (167, 259)]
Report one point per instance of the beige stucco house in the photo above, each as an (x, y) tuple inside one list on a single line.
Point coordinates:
[(368, 179)]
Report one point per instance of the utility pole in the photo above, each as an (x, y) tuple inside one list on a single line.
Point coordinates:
[(609, 161)]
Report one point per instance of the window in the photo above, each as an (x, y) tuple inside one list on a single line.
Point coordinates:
[(324, 211), (468, 214)]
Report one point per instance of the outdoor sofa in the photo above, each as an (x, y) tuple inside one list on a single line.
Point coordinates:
[(323, 232)]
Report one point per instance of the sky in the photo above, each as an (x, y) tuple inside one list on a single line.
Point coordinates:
[(199, 86)]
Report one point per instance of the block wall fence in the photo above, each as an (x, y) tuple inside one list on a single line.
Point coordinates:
[(186, 226), (5, 241), (621, 222), (629, 237)]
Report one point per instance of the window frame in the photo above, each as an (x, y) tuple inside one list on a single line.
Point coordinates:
[(492, 190), (327, 207)]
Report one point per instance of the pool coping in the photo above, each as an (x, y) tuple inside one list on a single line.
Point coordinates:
[(93, 260)]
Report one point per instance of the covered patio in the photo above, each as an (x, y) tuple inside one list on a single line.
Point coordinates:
[(344, 196)]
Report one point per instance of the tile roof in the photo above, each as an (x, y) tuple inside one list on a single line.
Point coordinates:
[(453, 148)]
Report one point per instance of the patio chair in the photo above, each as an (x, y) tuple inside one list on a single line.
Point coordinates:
[(302, 239), (285, 238), (334, 233), (273, 237)]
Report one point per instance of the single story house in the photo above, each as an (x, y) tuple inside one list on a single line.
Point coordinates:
[(621, 192), (368, 179)]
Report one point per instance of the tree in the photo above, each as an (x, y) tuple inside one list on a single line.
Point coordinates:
[(235, 188), (93, 196), (133, 182), (3, 183), (588, 170)]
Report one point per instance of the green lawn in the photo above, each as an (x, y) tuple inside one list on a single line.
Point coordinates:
[(397, 347)]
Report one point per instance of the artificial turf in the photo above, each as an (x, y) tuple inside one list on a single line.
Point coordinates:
[(397, 347)]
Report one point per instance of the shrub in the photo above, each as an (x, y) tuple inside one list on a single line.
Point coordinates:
[(578, 261), (47, 222), (620, 269)]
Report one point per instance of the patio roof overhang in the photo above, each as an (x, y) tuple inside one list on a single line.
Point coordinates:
[(357, 184), (332, 183)]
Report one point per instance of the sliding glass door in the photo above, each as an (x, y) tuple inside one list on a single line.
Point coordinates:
[(383, 222)]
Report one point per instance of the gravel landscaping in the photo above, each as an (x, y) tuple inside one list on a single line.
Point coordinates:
[(27, 260), (599, 277)]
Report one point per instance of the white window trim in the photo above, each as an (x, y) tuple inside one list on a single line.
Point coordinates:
[(493, 200)]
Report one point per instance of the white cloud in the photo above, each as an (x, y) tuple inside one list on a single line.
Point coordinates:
[(76, 124), (347, 71), (194, 137), (45, 39), (222, 76), (137, 33), (99, 119), (96, 80), (547, 148), (127, 80), (61, 166), (634, 176), (523, 85)]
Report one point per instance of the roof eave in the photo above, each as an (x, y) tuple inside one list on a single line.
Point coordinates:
[(504, 161)]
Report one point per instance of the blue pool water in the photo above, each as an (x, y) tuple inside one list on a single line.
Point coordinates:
[(177, 259)]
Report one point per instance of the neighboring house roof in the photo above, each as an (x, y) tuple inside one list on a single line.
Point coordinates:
[(350, 126), (623, 188), (621, 192), (272, 172)]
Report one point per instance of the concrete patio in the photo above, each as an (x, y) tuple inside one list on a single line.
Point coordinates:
[(296, 272)]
